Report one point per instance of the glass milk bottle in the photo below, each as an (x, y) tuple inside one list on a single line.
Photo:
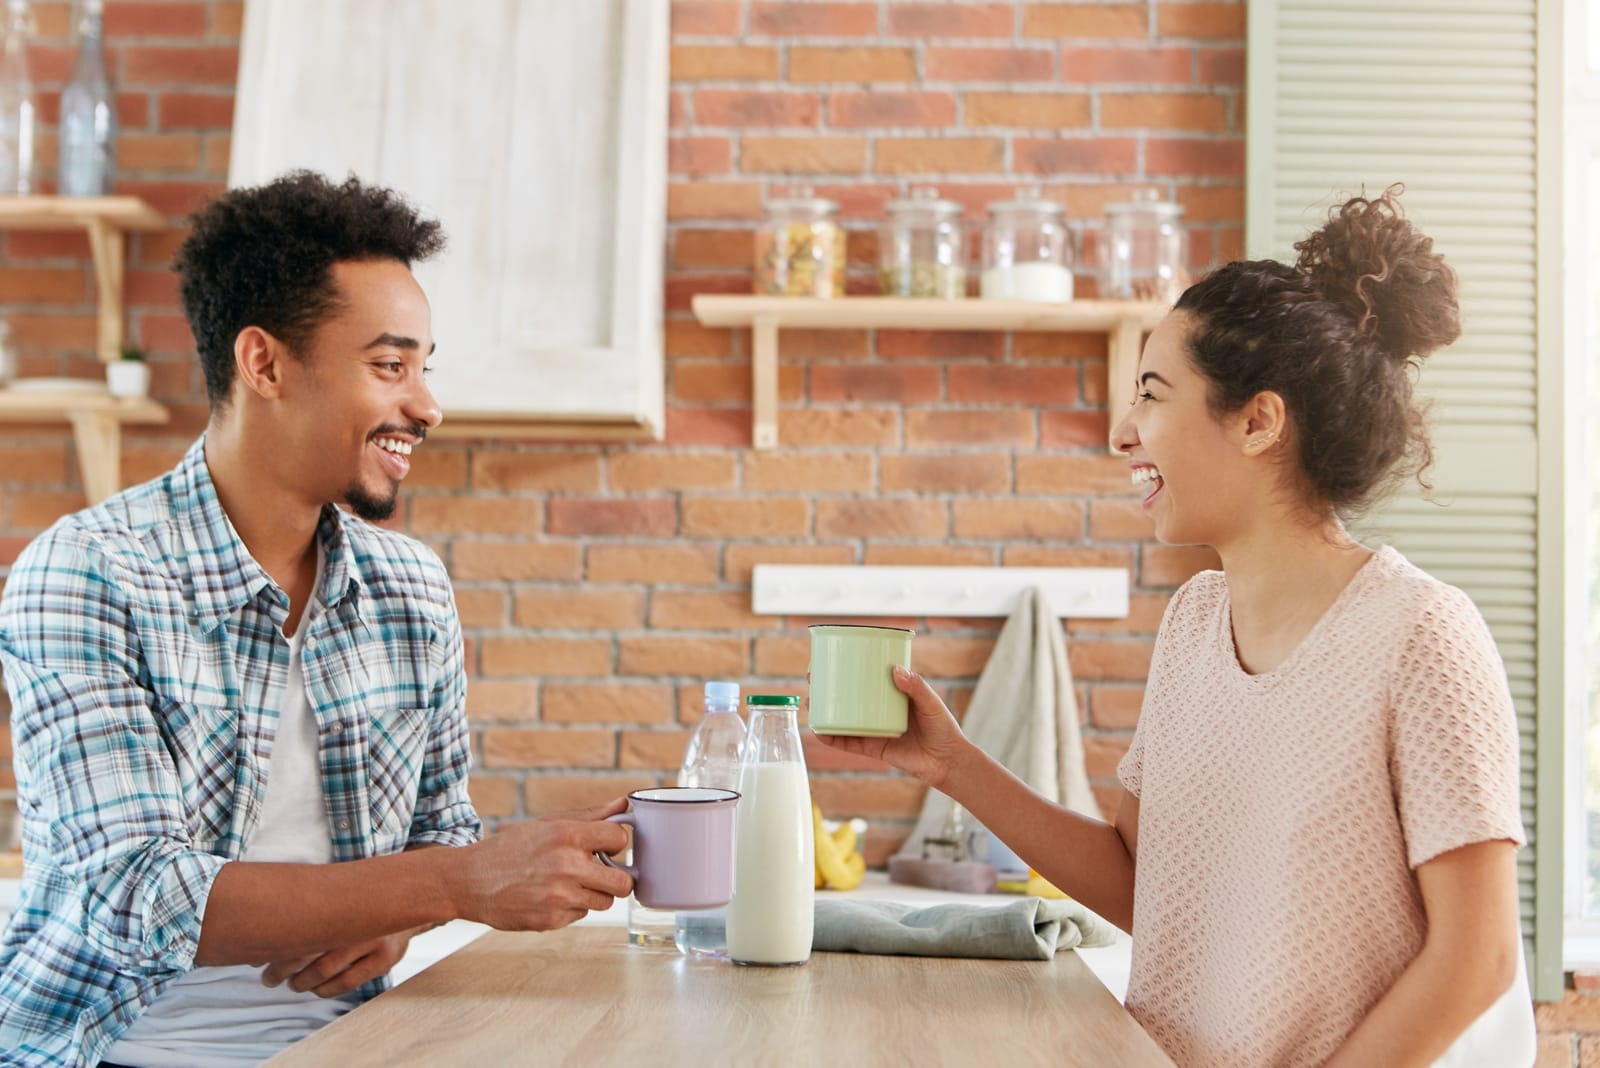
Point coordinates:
[(770, 918), (712, 760)]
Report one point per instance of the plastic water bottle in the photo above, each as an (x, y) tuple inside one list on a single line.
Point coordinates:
[(17, 164), (88, 116), (712, 760)]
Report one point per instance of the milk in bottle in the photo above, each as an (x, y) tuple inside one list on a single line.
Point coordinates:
[(770, 917)]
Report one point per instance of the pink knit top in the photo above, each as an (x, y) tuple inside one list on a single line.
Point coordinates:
[(1281, 814)]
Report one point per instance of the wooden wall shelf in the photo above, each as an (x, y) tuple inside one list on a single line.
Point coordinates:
[(97, 420), (107, 221), (1125, 321)]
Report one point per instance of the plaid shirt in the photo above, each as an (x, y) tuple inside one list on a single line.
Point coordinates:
[(144, 653)]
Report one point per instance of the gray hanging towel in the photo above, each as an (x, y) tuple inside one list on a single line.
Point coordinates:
[(1024, 713)]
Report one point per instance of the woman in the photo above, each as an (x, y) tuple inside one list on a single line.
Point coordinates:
[(1316, 851)]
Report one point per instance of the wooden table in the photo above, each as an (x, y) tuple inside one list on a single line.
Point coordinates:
[(583, 996)]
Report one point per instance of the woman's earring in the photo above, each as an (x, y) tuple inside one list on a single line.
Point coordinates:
[(1261, 442)]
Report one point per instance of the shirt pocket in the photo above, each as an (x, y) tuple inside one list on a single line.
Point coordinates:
[(396, 747), (203, 741)]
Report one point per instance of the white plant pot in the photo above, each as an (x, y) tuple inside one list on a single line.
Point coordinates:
[(128, 378)]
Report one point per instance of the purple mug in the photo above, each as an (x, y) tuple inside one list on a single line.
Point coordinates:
[(682, 846)]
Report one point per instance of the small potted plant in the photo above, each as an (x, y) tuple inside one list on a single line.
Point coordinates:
[(129, 376)]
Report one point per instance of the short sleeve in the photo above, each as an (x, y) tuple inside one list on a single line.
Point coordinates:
[(1454, 760), (1130, 770)]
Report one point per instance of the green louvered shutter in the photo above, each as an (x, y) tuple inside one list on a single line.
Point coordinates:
[(1448, 97)]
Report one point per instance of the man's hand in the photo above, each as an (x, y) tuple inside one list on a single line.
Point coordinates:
[(543, 874), (340, 970)]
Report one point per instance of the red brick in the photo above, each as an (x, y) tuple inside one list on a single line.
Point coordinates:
[(1073, 429), (227, 18), (678, 565), (475, 515), (713, 200), (930, 555), (1047, 111), (552, 795), (705, 18), (808, 472), (34, 510), (481, 607), (875, 384), (944, 345), (43, 285), (746, 108), (869, 797), (34, 464), (1099, 21), (1144, 617), (1202, 111), (502, 700), (1058, 555), (802, 155), (1221, 67), (812, 18), (1073, 474), (141, 20), (607, 702), (1173, 565), (1076, 155), (803, 345), (1020, 385), (989, 64), (865, 109), (494, 796), (957, 473), (947, 658), (648, 517), (515, 561), (1212, 203), (659, 750), (174, 199), (966, 19), (701, 426), (814, 64), (899, 517), (1119, 520), (713, 248), (762, 517), (50, 331), (1135, 65), (1222, 158), (521, 472), (549, 747), (730, 610), (694, 156), (1207, 21), (723, 63), (171, 152), (1110, 661), (647, 471), (940, 155), (699, 382), (782, 657), (680, 289), (157, 65), (1019, 519), (740, 560), (1115, 707), (838, 427), (968, 427), (685, 337), (706, 657), (545, 657), (593, 608)]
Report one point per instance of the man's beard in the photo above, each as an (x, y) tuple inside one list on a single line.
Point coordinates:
[(371, 508)]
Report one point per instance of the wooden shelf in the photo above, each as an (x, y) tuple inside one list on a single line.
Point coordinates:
[(97, 419), (1126, 321), (106, 220)]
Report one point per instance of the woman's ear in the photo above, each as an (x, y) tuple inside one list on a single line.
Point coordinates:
[(1263, 423)]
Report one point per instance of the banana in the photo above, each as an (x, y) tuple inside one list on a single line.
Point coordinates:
[(841, 871), (845, 838)]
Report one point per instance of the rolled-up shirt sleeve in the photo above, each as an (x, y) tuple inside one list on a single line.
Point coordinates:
[(444, 814), (93, 769)]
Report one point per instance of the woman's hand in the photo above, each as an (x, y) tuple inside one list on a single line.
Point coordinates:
[(931, 745)]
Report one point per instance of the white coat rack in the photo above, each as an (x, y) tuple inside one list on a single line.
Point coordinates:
[(821, 590)]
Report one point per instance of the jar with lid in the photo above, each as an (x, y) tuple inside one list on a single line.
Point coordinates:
[(1143, 251), (800, 247), (1028, 250), (922, 250)]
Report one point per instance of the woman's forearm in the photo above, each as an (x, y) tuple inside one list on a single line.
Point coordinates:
[(1083, 856)]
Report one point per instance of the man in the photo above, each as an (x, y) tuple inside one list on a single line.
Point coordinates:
[(238, 711)]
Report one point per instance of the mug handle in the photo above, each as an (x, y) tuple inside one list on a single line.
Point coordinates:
[(621, 817)]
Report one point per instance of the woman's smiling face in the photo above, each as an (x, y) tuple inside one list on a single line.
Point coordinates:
[(1187, 460)]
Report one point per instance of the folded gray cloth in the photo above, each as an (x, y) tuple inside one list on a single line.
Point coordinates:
[(1029, 928)]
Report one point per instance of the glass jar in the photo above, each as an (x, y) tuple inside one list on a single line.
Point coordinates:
[(800, 247), (1028, 250), (774, 849), (1143, 251), (922, 251)]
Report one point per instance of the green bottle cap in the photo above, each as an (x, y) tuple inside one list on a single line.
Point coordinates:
[(781, 699)]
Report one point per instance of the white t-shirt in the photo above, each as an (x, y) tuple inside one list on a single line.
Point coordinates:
[(224, 1017)]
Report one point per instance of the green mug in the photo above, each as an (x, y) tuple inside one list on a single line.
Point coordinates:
[(852, 691)]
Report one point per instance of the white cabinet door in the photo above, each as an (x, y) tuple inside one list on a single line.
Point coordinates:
[(535, 130)]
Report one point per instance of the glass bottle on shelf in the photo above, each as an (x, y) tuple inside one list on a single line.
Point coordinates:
[(1143, 250), (770, 917), (800, 247), (1028, 250), (711, 760), (922, 249), (18, 168), (88, 115)]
